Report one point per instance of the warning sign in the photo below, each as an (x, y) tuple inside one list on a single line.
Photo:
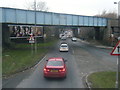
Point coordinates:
[(31, 39), (116, 50)]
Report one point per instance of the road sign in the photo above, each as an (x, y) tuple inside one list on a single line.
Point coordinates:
[(31, 39), (116, 50)]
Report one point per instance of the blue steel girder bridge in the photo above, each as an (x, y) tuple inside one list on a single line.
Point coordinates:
[(19, 16)]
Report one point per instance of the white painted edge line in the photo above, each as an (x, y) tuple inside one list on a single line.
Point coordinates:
[(40, 61), (73, 51)]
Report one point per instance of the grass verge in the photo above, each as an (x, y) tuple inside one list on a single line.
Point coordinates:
[(102, 79), (21, 57)]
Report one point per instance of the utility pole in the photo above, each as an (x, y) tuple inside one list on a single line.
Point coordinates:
[(35, 26), (118, 59), (118, 15), (116, 52), (118, 68), (118, 5)]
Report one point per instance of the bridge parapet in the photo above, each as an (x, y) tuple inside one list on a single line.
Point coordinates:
[(19, 16)]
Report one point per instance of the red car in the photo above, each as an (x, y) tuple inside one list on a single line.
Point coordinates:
[(55, 67)]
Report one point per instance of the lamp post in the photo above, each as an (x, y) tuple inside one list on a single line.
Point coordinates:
[(118, 59), (118, 3), (35, 26), (118, 69)]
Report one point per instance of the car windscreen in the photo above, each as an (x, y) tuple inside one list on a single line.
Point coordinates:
[(74, 38), (55, 63), (63, 45)]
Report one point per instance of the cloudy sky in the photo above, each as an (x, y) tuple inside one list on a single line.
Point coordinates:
[(80, 7)]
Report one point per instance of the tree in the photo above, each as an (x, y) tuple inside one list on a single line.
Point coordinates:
[(110, 14), (40, 6), (111, 33)]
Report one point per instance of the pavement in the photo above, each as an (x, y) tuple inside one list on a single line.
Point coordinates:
[(96, 44)]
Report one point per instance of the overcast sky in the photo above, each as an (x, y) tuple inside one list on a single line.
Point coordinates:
[(79, 7)]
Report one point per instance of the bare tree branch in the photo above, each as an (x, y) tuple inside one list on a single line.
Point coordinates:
[(110, 14), (40, 6)]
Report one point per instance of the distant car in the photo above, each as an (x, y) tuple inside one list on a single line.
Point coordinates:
[(64, 47), (74, 39), (60, 35), (63, 38), (55, 67)]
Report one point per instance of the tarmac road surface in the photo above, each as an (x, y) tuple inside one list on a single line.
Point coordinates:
[(82, 59)]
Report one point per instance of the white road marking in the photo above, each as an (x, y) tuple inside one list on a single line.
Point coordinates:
[(73, 51), (40, 61)]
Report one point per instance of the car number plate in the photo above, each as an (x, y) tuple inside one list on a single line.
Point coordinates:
[(54, 70)]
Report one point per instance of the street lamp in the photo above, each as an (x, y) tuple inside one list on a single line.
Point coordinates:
[(118, 6), (118, 3), (118, 60), (118, 69), (35, 26)]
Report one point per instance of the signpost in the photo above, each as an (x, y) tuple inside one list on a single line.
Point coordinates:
[(116, 52), (35, 26), (31, 41)]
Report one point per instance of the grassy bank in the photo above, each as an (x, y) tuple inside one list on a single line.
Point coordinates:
[(102, 80), (21, 57)]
